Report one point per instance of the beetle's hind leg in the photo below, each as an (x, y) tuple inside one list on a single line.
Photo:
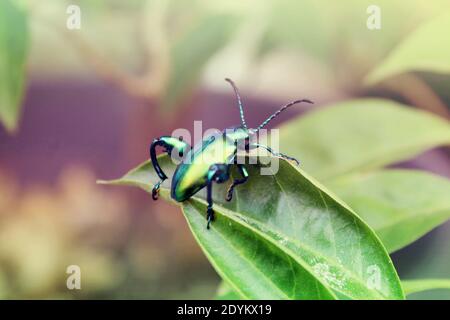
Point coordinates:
[(236, 182), (168, 143), (217, 173)]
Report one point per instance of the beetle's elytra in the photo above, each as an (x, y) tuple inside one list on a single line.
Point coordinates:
[(193, 174)]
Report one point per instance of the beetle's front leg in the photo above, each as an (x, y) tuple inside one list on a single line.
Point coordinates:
[(217, 173), (236, 182), (168, 143), (276, 154)]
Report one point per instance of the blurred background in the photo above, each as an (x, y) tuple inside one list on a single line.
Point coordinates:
[(96, 96)]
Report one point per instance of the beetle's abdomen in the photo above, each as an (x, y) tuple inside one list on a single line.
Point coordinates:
[(187, 180), (191, 174)]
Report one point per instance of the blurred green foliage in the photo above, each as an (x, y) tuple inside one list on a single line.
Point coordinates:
[(423, 50), (392, 202), (190, 54), (361, 135), (164, 49), (171, 43), (13, 53)]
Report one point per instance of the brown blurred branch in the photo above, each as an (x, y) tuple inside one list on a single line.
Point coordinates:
[(156, 65), (136, 86), (154, 46)]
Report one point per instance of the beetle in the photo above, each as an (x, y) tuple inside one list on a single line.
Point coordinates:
[(193, 173)]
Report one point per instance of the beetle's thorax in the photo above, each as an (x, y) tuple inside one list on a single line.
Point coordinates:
[(236, 134)]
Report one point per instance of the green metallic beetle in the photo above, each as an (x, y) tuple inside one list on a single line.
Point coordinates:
[(194, 173)]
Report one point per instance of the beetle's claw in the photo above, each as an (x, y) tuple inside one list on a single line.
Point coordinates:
[(155, 191), (209, 217)]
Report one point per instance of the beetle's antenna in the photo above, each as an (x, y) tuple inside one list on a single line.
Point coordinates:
[(262, 125), (238, 97)]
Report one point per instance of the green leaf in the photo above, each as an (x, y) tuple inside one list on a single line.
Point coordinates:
[(400, 205), (191, 53), (13, 53), (413, 286), (426, 49), (285, 236), (360, 135)]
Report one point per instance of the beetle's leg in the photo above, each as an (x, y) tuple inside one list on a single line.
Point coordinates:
[(276, 154), (236, 182), (168, 143), (217, 173), (209, 210)]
